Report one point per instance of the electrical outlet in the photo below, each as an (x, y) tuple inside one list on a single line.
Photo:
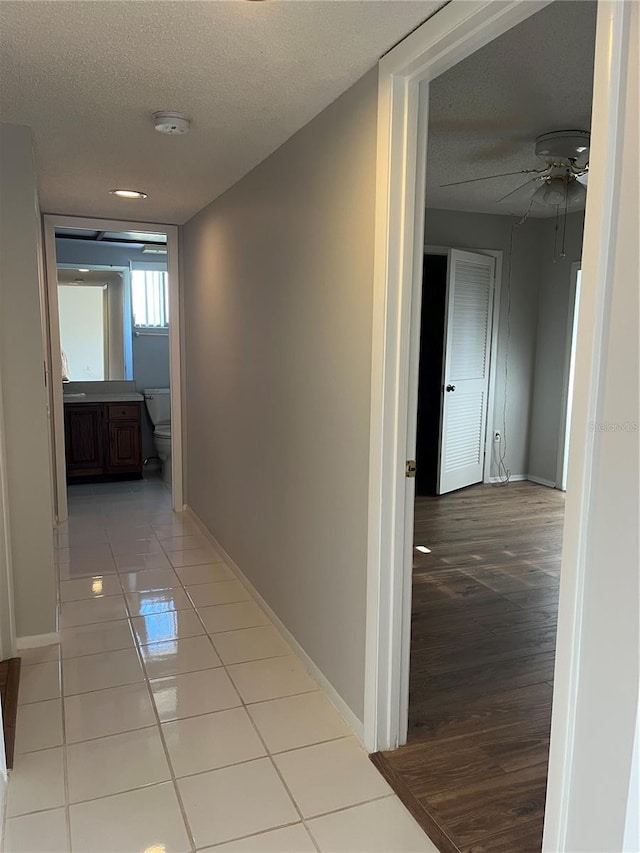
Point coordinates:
[(497, 437)]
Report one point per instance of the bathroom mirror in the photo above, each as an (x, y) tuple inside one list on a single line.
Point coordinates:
[(113, 306)]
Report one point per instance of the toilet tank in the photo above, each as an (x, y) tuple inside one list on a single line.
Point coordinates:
[(158, 402)]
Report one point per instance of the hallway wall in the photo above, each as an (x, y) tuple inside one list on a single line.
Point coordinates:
[(23, 390), (278, 288)]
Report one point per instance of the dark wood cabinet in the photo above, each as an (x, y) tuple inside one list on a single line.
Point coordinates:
[(102, 440)]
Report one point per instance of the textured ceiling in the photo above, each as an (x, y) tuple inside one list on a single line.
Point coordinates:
[(86, 76), (485, 112)]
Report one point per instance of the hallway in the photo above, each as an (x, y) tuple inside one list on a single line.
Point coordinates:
[(173, 717)]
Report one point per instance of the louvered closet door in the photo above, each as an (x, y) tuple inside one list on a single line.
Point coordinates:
[(465, 385)]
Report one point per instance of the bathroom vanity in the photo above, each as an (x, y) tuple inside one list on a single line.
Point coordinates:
[(102, 432)]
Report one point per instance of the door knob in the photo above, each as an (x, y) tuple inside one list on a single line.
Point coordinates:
[(451, 387)]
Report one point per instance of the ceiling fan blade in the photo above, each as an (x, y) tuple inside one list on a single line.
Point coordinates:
[(490, 177), (517, 189)]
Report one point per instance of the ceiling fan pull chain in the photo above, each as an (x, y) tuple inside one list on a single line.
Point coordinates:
[(563, 253)]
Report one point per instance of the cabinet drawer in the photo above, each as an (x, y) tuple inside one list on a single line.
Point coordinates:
[(123, 411)]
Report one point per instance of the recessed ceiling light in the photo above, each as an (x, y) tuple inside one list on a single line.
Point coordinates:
[(84, 270), (128, 193)]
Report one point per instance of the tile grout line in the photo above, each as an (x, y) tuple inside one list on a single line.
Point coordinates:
[(174, 782)]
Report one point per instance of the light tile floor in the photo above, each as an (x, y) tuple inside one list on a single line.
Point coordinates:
[(173, 717)]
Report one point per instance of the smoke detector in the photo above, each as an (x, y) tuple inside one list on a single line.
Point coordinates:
[(173, 124)]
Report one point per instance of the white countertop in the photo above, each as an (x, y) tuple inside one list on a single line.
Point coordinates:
[(103, 398)]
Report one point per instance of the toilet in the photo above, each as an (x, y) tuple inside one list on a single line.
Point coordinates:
[(158, 402)]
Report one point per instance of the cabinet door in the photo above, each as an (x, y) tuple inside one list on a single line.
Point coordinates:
[(124, 447), (83, 425)]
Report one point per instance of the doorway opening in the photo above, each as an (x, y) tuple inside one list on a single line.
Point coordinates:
[(486, 514), (114, 358)]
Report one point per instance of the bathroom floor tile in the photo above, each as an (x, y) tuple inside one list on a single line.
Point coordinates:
[(250, 644), (44, 832), (89, 587), (37, 782), (141, 562), (260, 680), (125, 547), (377, 827), (193, 557), (177, 656), (92, 610), (126, 761), (289, 839), (93, 639), (107, 712), (220, 592), (185, 543), (216, 802), (143, 820), (191, 575), (82, 569), (297, 721), (39, 681), (39, 726), (210, 741), (330, 776), (96, 672), (147, 580), (157, 601), (42, 654), (161, 627), (171, 529), (230, 617), (193, 693)]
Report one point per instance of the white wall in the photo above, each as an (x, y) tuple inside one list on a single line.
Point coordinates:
[(460, 230), (82, 331), (551, 346), (23, 389), (278, 289)]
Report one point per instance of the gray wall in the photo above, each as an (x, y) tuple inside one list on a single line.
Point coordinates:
[(458, 230), (551, 348), (150, 352), (24, 394), (278, 287)]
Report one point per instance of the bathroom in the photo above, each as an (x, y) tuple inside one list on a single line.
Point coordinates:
[(113, 311)]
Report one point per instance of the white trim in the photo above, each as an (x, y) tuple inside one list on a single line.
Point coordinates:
[(37, 641), (540, 481), (311, 667), (7, 612), (600, 233), (51, 222), (450, 36), (562, 463), (513, 478)]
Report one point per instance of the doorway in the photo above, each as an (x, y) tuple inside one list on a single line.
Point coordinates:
[(123, 276), (404, 80)]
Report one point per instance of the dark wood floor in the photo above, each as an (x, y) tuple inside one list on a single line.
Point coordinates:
[(484, 612)]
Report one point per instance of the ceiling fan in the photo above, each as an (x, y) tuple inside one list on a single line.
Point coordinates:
[(562, 181)]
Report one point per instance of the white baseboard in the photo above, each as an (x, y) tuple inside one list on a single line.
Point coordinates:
[(36, 641), (541, 481), (314, 671), (514, 478)]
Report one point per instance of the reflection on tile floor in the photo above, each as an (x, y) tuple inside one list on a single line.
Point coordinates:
[(173, 717)]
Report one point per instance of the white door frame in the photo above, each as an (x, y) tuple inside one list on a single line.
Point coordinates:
[(51, 222), (498, 255), (450, 36), (568, 374)]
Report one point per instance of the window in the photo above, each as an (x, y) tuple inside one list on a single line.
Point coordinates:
[(150, 297)]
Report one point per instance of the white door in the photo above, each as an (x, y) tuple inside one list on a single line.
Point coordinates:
[(465, 376)]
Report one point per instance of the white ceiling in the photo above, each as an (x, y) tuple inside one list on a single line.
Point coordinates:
[(485, 112), (86, 76)]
